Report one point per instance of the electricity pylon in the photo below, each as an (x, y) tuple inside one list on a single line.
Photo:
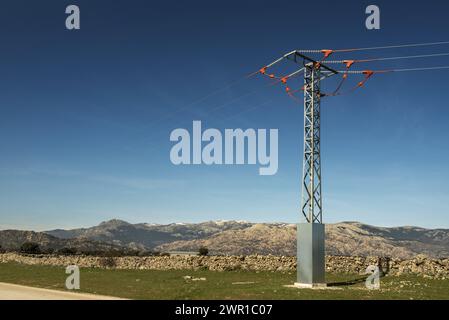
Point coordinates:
[(312, 202), (311, 233)]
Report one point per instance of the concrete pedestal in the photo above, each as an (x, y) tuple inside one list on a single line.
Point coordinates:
[(310, 286), (310, 255)]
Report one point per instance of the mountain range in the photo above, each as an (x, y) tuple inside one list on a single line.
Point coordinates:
[(240, 238), (13, 239)]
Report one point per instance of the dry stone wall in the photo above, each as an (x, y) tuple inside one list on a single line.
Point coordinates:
[(420, 265)]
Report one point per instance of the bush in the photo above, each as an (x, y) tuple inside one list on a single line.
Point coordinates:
[(30, 248), (203, 251), (67, 251), (113, 253), (48, 251), (144, 253), (107, 262)]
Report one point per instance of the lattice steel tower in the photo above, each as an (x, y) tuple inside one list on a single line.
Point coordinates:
[(311, 233), (312, 205)]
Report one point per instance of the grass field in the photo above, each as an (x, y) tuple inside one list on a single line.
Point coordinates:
[(144, 284)]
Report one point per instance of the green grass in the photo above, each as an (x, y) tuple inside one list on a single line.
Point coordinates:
[(149, 284)]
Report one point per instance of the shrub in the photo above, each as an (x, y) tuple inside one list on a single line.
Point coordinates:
[(30, 248), (114, 253), (203, 251), (67, 251), (107, 262), (48, 251), (144, 253)]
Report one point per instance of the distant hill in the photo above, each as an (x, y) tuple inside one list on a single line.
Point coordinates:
[(347, 238), (13, 240), (239, 237), (147, 236)]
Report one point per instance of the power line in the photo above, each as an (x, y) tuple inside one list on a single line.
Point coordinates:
[(391, 58), (421, 69), (394, 70), (424, 44), (395, 46), (326, 71), (186, 107)]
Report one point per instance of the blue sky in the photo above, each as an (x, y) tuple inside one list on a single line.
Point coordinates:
[(85, 116)]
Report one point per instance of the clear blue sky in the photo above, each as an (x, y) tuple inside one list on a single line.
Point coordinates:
[(85, 116)]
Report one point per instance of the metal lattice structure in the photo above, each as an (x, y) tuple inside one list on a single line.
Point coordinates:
[(311, 233), (311, 262), (313, 71), (311, 196), (312, 204)]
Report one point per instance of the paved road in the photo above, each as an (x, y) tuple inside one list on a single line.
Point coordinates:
[(16, 292)]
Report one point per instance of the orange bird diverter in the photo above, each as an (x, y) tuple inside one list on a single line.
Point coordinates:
[(327, 52)]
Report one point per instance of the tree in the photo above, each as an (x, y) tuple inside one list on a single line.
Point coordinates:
[(67, 251), (30, 247), (203, 251)]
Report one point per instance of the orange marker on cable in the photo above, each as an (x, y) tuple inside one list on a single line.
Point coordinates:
[(327, 53), (368, 73), (348, 63)]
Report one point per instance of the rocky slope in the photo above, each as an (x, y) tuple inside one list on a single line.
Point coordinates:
[(348, 238), (148, 236), (244, 238)]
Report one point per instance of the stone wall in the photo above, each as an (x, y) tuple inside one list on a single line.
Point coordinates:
[(420, 265)]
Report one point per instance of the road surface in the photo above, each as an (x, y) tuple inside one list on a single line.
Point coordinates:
[(16, 292)]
